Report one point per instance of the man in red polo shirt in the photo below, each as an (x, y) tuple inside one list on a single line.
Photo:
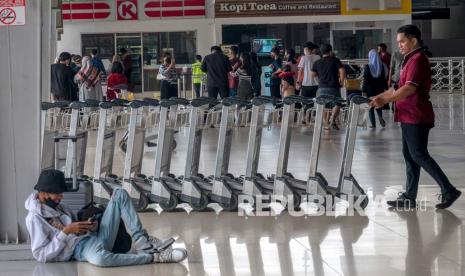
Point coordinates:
[(415, 113)]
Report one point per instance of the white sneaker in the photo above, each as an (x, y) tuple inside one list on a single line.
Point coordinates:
[(150, 245), (170, 255)]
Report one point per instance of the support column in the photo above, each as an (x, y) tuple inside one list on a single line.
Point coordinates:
[(20, 93)]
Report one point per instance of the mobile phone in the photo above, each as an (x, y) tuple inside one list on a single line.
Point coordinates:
[(94, 217)]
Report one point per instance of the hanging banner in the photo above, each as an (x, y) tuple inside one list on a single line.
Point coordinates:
[(12, 12), (250, 8)]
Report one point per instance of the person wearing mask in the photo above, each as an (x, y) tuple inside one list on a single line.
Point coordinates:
[(275, 82), (88, 81), (374, 83), (235, 63), (384, 54), (76, 63), (197, 75), (217, 67), (256, 74), (308, 84), (244, 73), (116, 81), (57, 237), (414, 112), (62, 86), (97, 62), (331, 75), (168, 85)]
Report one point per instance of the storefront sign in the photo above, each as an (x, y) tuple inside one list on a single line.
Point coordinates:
[(126, 10), (248, 8), (111, 10), (12, 12)]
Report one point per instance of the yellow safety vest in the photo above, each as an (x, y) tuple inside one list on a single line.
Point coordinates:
[(197, 73)]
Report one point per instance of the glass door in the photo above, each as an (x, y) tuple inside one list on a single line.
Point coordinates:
[(132, 42), (356, 45)]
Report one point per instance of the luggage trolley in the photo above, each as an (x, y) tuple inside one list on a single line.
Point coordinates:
[(137, 185), (317, 183), (196, 189), (284, 183), (225, 185), (103, 180), (254, 182), (166, 187), (51, 125)]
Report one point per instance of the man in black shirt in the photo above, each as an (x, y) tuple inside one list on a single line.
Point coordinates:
[(275, 82), (62, 85), (217, 67), (331, 75)]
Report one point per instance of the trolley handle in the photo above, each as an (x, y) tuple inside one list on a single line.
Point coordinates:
[(261, 100), (58, 138), (46, 106), (62, 104), (151, 102), (180, 101), (293, 99), (325, 99), (360, 100), (137, 104), (107, 105), (92, 103), (79, 105), (235, 101), (168, 103), (120, 102)]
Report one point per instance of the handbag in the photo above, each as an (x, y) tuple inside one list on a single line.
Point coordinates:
[(160, 76), (353, 84)]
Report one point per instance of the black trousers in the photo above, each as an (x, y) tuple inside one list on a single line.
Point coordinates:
[(371, 114), (168, 90), (275, 91), (213, 91), (415, 150), (197, 89)]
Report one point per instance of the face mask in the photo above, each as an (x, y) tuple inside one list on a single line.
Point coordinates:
[(50, 203)]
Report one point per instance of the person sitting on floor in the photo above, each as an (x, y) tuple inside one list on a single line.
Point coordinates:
[(56, 237)]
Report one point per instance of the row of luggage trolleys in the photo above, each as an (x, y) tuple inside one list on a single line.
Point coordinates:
[(65, 129)]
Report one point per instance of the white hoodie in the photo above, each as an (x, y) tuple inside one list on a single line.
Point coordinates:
[(48, 243)]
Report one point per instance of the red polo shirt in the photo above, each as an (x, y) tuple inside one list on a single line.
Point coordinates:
[(416, 108)]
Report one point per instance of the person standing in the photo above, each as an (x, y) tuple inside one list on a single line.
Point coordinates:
[(374, 83), (384, 54), (97, 63), (331, 75), (256, 74), (197, 75), (217, 67), (244, 74), (305, 82), (62, 86), (235, 62), (275, 82), (127, 65), (168, 85), (116, 81), (394, 69), (88, 81), (414, 112)]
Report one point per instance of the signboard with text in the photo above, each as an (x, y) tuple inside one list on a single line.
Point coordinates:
[(12, 12), (126, 10), (254, 8)]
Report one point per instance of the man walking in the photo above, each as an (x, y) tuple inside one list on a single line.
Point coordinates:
[(217, 67), (415, 113)]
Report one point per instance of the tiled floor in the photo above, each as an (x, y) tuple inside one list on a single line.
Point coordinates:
[(424, 242)]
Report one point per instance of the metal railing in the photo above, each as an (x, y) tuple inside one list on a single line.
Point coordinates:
[(448, 73)]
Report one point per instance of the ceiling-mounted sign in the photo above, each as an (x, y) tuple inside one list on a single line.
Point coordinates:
[(12, 12), (250, 8)]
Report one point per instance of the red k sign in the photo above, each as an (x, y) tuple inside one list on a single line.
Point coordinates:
[(126, 10)]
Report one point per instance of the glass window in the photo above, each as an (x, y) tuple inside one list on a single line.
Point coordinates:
[(132, 42), (350, 45), (151, 61), (181, 44), (104, 43)]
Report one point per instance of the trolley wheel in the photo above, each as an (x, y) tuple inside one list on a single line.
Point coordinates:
[(260, 176), (230, 175), (169, 205), (142, 203), (202, 205), (289, 175), (174, 145), (114, 176), (123, 147), (171, 175), (201, 176), (297, 201), (143, 176), (232, 205), (364, 202)]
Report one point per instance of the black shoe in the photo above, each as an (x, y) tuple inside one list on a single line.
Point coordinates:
[(334, 126), (448, 199), (382, 122), (402, 202), (151, 144)]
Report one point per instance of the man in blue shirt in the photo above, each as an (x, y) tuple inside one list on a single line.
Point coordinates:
[(97, 62)]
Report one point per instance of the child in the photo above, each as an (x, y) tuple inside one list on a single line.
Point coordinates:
[(116, 81)]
